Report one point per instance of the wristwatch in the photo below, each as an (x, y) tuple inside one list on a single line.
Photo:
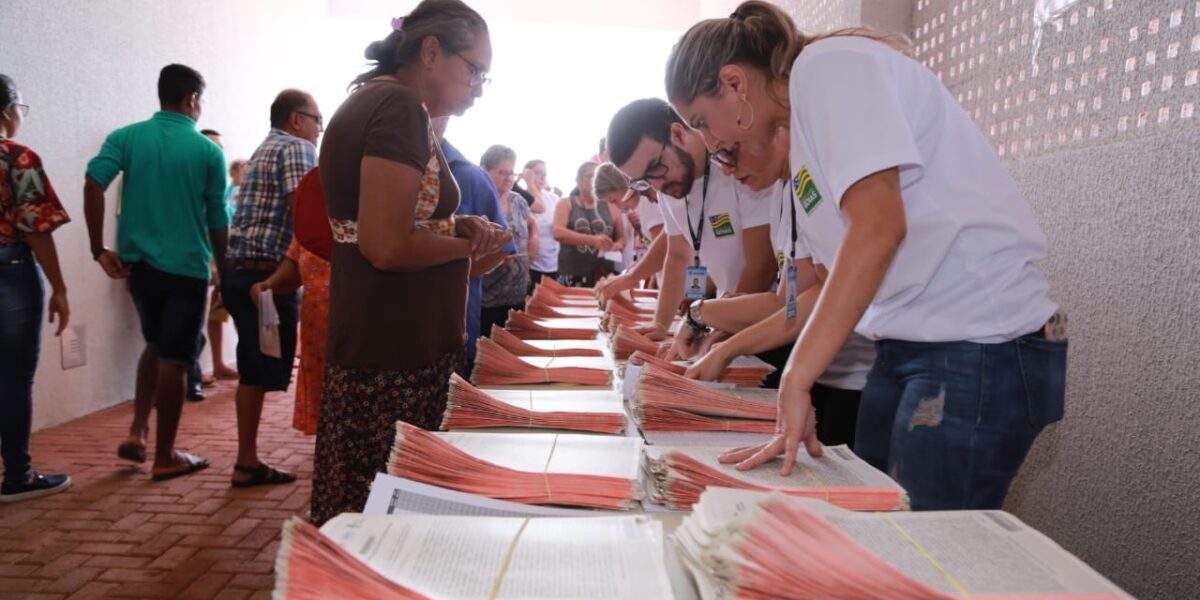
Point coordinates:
[(96, 253), (695, 318)]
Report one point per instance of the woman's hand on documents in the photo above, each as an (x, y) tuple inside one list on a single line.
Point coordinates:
[(795, 424)]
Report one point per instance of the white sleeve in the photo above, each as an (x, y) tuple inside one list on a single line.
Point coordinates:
[(650, 213), (849, 109), (673, 210), (754, 208)]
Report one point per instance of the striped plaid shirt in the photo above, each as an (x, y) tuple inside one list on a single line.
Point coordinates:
[(262, 223)]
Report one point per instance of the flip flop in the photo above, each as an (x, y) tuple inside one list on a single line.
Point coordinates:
[(193, 463), (263, 474), (131, 451)]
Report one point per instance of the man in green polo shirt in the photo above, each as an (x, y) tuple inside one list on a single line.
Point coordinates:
[(172, 217)]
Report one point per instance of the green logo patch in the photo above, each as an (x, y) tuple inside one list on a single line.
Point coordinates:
[(722, 225), (806, 192)]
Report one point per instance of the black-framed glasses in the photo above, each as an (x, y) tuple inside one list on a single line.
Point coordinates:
[(654, 170), (478, 73), (22, 109), (320, 121)]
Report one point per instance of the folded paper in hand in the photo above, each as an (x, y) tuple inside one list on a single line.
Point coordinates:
[(268, 326)]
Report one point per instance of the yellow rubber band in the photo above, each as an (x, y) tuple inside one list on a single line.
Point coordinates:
[(814, 477), (954, 583), (508, 554), (545, 477)]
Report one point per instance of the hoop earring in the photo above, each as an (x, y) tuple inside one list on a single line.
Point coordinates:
[(739, 114)]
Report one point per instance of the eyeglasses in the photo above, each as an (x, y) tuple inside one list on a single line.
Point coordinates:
[(655, 170), (505, 174), (320, 121), (22, 109), (478, 73)]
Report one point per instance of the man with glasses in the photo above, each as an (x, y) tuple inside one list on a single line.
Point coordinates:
[(717, 229), (262, 231)]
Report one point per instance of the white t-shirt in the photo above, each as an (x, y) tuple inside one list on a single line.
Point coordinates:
[(547, 256), (966, 269), (849, 368), (730, 207), (627, 249), (650, 214)]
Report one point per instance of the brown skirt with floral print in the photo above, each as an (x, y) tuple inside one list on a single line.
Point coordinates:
[(359, 410)]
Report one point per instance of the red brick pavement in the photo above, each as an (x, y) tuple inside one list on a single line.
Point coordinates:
[(117, 534)]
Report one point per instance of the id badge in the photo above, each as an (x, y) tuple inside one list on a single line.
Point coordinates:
[(696, 285), (792, 292)]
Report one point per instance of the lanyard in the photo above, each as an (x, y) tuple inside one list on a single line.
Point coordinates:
[(698, 232), (792, 202)]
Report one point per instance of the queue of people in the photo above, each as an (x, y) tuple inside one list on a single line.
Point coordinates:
[(857, 232)]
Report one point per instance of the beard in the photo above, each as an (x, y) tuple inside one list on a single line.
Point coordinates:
[(687, 170)]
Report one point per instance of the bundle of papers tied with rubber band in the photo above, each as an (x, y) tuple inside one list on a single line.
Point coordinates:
[(769, 545), (678, 475), (595, 471)]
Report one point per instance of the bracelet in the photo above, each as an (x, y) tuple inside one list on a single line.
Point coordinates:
[(96, 253), (695, 317)]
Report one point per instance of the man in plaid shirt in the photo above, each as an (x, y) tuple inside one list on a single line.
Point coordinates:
[(258, 241)]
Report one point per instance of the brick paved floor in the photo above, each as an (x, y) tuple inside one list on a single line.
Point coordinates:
[(117, 534)]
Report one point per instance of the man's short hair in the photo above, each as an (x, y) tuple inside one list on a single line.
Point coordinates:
[(648, 117), (286, 103), (177, 82)]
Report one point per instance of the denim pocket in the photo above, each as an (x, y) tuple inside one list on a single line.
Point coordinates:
[(1044, 373)]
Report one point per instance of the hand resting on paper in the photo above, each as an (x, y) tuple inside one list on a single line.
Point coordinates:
[(710, 366), (796, 424)]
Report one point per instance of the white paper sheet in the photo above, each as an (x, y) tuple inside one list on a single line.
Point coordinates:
[(456, 557), (397, 495)]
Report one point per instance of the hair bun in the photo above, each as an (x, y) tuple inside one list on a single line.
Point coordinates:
[(373, 50)]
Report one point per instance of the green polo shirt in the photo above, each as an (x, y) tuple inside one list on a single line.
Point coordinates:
[(173, 192)]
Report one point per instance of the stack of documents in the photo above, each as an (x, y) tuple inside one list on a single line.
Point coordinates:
[(552, 286), (428, 556), (472, 408), (679, 474), (509, 341), (626, 340), (757, 545), (664, 401), (528, 327), (496, 366), (541, 308), (596, 471), (745, 371)]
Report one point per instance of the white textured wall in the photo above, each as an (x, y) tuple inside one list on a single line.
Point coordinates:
[(87, 68), (1103, 140)]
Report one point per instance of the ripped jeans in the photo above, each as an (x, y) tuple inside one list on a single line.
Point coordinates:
[(952, 421)]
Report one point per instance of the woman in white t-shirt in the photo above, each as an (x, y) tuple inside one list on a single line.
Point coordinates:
[(930, 244), (543, 205)]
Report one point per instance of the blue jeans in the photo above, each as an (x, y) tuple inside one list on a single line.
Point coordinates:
[(952, 422), (22, 296)]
